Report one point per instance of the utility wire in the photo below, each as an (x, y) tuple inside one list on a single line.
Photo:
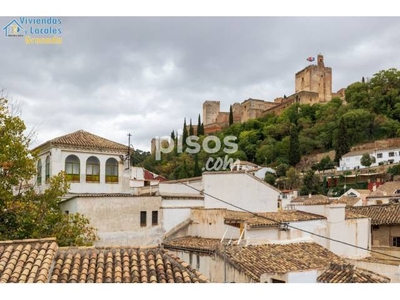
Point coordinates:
[(290, 226)]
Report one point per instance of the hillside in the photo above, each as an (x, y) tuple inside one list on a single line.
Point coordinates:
[(371, 112)]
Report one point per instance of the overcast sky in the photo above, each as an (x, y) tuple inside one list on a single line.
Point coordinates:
[(118, 75)]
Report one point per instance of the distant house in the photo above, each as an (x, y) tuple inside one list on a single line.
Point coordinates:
[(256, 170), (355, 197), (387, 193), (352, 160)]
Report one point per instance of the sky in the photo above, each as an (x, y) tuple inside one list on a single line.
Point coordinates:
[(143, 75)]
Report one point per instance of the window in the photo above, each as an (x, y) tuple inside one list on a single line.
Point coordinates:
[(66, 212), (379, 155), (111, 170), (47, 169), (273, 280), (92, 169), (396, 241), (154, 217), (279, 203), (143, 218), (39, 172), (375, 227), (391, 154), (73, 168)]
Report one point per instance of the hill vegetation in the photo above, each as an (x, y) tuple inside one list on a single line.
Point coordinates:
[(371, 112)]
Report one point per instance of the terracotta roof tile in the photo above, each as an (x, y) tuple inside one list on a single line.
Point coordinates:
[(26, 260), (316, 200), (347, 273), (84, 140), (117, 265), (280, 258), (349, 200), (269, 218), (379, 214), (193, 243)]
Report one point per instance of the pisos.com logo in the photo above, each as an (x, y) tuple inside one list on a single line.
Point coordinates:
[(211, 144), (44, 30)]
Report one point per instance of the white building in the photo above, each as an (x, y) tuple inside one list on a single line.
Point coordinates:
[(229, 190), (352, 160), (92, 164)]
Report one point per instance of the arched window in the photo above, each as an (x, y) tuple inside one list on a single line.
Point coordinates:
[(73, 168), (39, 172), (111, 170), (92, 169), (47, 169)]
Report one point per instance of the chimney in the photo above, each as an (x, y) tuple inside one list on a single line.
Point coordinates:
[(336, 213)]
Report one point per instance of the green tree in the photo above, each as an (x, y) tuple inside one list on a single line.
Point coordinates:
[(199, 127), (230, 116), (191, 129), (367, 160), (197, 170), (25, 213), (292, 179), (294, 147), (270, 178), (185, 133), (311, 184), (342, 144)]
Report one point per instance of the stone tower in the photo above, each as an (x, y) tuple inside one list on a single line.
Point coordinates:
[(211, 110), (316, 79)]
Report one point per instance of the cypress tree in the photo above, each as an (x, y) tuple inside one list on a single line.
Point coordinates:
[(198, 126), (342, 144), (191, 130), (185, 133), (294, 147), (173, 135), (197, 171), (230, 116)]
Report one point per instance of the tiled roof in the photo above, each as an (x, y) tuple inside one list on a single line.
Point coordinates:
[(314, 200), (379, 214), (347, 273), (86, 140), (280, 258), (26, 260), (193, 243), (353, 215), (117, 265), (269, 218), (349, 200), (386, 189), (152, 176), (371, 259)]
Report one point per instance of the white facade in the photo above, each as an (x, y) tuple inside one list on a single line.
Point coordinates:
[(348, 231), (351, 161), (240, 189), (57, 158), (119, 219)]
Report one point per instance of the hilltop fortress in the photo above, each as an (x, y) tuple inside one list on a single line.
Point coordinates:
[(313, 85)]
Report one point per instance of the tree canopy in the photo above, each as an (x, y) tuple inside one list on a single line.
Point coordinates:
[(24, 212)]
